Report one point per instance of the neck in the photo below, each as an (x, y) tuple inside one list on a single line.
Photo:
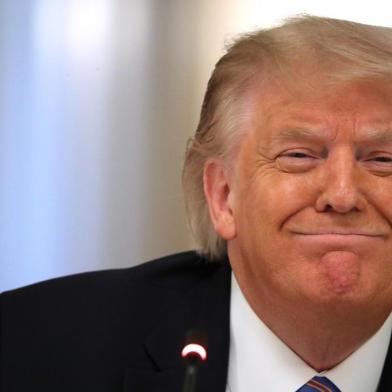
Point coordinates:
[(323, 338)]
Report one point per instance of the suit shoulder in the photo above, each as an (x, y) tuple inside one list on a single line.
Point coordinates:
[(92, 325), (171, 272)]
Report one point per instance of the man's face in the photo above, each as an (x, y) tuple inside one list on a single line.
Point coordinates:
[(311, 197)]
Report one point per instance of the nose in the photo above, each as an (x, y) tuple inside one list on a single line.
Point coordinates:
[(340, 187)]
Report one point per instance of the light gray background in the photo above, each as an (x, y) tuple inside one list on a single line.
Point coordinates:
[(97, 100)]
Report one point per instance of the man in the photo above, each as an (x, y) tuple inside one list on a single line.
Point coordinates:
[(287, 182)]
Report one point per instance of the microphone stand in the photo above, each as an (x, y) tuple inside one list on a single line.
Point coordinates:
[(190, 377)]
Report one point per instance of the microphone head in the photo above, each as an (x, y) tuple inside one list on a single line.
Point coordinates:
[(195, 348)]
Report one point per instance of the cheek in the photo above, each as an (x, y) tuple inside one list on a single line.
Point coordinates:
[(273, 200), (379, 195)]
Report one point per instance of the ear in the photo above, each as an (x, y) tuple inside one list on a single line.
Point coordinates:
[(219, 195)]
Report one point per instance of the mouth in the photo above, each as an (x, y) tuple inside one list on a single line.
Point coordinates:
[(339, 240), (339, 233)]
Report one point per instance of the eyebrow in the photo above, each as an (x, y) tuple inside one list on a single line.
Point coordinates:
[(372, 135), (289, 134), (377, 136)]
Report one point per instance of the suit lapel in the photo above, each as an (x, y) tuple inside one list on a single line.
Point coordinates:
[(206, 306)]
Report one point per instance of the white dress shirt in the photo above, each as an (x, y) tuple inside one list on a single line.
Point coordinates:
[(259, 361)]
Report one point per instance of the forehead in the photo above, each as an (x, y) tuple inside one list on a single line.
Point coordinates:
[(353, 108)]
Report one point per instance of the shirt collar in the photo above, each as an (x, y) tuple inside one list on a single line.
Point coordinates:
[(259, 358)]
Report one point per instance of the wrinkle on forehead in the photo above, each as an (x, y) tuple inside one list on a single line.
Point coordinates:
[(362, 110), (370, 135)]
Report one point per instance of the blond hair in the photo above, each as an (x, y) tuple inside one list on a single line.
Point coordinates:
[(339, 51)]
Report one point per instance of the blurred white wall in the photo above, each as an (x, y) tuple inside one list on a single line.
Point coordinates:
[(97, 100)]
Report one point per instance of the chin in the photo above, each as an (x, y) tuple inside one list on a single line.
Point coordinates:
[(355, 296)]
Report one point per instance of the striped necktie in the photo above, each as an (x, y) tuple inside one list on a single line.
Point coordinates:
[(319, 384)]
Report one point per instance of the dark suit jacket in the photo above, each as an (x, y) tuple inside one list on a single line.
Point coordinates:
[(120, 330)]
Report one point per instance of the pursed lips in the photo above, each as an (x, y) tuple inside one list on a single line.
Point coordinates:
[(339, 237), (338, 232)]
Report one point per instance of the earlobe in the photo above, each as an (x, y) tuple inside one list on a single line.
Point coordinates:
[(219, 195)]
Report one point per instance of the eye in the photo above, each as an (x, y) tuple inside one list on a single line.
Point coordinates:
[(383, 159), (296, 154), (379, 163), (296, 160), (380, 159)]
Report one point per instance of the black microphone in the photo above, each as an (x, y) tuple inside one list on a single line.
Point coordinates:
[(194, 354)]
